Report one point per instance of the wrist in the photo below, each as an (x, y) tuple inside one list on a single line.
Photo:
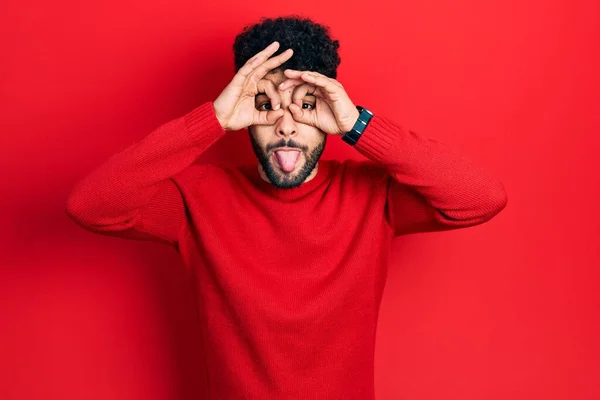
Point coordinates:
[(362, 121), (219, 118), (354, 119)]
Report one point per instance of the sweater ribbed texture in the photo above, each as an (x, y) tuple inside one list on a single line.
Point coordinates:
[(288, 282)]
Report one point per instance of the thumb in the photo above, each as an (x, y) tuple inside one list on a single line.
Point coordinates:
[(266, 117), (273, 116), (299, 114)]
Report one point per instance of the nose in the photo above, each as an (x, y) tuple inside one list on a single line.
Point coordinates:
[(286, 126)]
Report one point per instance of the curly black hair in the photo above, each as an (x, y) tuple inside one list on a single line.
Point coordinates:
[(314, 49)]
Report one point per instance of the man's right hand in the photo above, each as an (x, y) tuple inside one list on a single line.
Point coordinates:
[(235, 108)]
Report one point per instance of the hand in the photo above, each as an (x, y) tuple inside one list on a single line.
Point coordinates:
[(235, 108), (333, 113)]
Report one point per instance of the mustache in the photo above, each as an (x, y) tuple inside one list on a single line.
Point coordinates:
[(283, 143)]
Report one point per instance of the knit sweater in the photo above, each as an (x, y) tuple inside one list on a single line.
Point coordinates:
[(288, 282)]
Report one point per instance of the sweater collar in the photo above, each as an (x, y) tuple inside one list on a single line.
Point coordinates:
[(324, 170)]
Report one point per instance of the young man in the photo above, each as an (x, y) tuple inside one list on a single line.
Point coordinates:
[(289, 256)]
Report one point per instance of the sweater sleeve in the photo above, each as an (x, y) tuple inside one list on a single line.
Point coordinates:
[(133, 194), (430, 187)]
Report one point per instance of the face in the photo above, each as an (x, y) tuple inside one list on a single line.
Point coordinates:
[(280, 166)]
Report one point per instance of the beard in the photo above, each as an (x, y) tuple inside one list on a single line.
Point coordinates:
[(287, 180)]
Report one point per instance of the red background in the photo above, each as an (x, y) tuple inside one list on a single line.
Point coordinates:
[(504, 310)]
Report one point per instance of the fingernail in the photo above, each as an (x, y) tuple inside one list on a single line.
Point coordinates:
[(277, 107)]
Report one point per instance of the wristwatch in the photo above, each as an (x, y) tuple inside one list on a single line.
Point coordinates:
[(359, 127)]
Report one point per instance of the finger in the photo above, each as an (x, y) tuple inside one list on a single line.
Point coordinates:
[(268, 87), (301, 115), (300, 92), (296, 73), (321, 81), (266, 117), (270, 64), (257, 59), (288, 83), (329, 84)]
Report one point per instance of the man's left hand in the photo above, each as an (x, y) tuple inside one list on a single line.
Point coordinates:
[(333, 113)]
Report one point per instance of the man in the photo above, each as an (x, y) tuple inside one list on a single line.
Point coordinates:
[(289, 256)]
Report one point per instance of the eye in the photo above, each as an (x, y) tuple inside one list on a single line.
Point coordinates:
[(268, 106), (268, 103)]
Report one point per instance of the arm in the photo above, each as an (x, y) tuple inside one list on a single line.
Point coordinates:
[(430, 187), (132, 194)]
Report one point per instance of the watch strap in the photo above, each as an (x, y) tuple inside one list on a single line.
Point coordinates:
[(352, 136)]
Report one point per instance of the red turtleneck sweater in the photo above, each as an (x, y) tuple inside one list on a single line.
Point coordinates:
[(288, 281)]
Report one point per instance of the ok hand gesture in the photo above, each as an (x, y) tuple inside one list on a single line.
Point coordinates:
[(334, 111), (235, 108)]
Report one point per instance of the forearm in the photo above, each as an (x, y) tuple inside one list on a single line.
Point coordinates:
[(117, 190), (462, 192)]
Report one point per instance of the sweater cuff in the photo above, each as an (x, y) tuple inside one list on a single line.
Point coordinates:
[(202, 122), (379, 141)]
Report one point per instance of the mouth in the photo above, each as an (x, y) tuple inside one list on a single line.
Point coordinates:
[(286, 158)]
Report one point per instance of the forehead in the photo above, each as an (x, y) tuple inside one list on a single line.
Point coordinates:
[(275, 75)]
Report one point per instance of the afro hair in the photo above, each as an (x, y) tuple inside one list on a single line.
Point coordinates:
[(314, 50)]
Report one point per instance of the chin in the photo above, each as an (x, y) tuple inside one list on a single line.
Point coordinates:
[(286, 180)]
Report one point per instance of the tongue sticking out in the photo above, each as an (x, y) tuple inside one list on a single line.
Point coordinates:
[(287, 159)]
